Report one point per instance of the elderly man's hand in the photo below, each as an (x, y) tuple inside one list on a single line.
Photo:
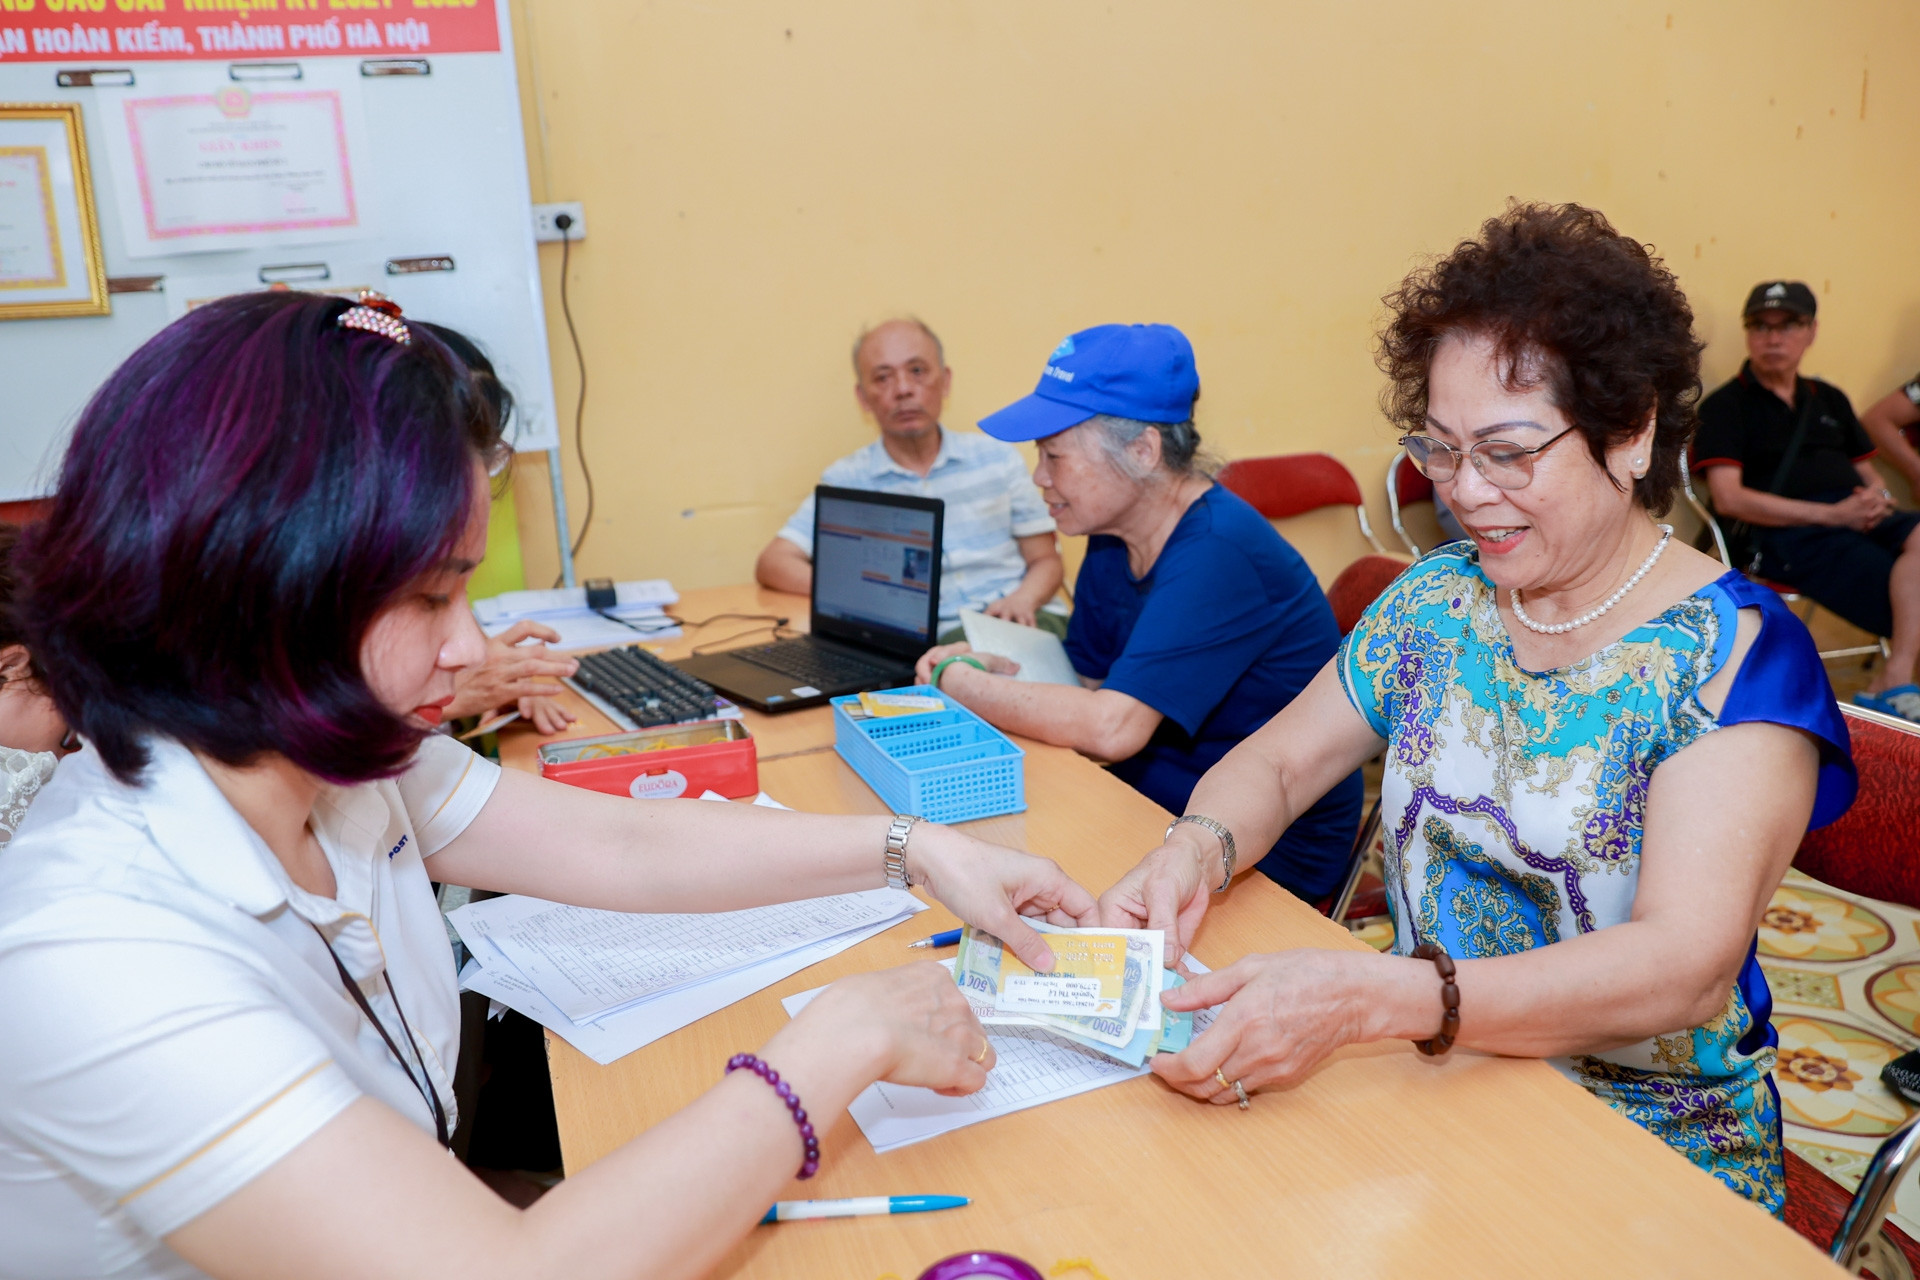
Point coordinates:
[(514, 671), (1012, 609), (993, 662), (1862, 509)]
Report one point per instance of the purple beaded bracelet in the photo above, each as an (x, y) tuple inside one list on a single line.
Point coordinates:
[(810, 1163)]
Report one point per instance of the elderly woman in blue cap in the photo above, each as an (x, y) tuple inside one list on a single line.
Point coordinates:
[(1194, 622)]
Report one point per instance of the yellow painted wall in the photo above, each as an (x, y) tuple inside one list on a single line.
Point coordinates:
[(761, 180)]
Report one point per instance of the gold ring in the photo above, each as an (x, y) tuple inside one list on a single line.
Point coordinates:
[(985, 1044), (1222, 1078)]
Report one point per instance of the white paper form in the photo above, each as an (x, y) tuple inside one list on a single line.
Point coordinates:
[(616, 1035), (591, 963), (1031, 1067), (539, 604)]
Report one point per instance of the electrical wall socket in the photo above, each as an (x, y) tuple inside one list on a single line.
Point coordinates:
[(544, 232)]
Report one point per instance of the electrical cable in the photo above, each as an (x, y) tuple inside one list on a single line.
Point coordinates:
[(564, 223)]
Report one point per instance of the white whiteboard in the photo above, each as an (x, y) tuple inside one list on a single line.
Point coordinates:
[(446, 174)]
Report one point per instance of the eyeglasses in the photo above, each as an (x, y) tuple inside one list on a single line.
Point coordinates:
[(1504, 464), (1784, 326)]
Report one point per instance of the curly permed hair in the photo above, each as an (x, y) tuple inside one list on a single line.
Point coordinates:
[(1569, 301)]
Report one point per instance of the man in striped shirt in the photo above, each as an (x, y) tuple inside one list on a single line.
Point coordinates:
[(998, 552)]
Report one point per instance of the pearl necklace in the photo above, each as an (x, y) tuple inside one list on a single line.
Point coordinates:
[(1560, 628)]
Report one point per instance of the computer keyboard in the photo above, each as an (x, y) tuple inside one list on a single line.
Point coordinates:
[(643, 688), (810, 664)]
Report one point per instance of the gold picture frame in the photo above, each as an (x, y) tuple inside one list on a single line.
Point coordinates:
[(51, 263)]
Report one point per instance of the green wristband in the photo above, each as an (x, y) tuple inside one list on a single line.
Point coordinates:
[(975, 663)]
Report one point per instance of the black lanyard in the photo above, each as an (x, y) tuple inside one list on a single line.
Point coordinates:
[(424, 1083)]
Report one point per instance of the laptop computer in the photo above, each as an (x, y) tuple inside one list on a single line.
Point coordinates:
[(875, 606)]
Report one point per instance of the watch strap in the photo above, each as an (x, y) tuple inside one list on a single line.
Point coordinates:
[(1218, 829), (898, 877)]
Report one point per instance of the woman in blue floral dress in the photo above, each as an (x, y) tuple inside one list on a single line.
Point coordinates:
[(1601, 748)]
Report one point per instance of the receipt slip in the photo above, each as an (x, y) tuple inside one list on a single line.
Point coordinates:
[(1002, 991), (1089, 977)]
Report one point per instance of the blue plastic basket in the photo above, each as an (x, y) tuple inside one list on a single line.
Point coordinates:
[(946, 766)]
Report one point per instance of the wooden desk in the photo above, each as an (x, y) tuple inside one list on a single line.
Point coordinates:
[(775, 736), (1383, 1163)]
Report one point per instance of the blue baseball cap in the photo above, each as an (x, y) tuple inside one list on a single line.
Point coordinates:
[(1141, 371)]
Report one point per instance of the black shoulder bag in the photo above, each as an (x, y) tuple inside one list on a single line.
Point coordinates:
[(1743, 543)]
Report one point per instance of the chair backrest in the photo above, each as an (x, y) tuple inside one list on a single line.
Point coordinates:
[(25, 511), (1405, 485), (1359, 585), (1700, 509), (1871, 850), (1292, 484)]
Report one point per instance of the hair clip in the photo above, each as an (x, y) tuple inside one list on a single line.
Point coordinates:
[(376, 313)]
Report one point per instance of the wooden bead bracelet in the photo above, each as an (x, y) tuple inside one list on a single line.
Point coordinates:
[(1449, 998)]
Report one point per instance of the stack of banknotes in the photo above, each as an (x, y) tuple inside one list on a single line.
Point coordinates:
[(1103, 993)]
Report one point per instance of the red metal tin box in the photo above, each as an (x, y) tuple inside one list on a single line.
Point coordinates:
[(659, 764)]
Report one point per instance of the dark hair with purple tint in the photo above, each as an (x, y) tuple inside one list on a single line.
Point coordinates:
[(240, 501)]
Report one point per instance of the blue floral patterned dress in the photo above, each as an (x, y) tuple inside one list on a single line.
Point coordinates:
[(1513, 803)]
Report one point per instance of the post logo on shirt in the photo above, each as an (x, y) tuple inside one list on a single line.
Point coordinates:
[(397, 848)]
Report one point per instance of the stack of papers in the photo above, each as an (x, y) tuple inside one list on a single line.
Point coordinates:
[(1032, 1065), (609, 982), (638, 613)]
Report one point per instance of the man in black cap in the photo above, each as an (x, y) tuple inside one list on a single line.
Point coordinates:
[(1786, 455)]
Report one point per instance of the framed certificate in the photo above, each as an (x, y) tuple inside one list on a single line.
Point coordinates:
[(50, 259)]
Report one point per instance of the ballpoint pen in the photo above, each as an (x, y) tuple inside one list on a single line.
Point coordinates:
[(860, 1207), (947, 939)]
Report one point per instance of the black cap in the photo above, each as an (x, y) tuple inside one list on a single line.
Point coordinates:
[(1781, 295)]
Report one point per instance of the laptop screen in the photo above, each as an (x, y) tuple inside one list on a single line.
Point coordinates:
[(876, 560)]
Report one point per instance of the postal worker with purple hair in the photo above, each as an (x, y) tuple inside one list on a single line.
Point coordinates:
[(1194, 622), (229, 1000)]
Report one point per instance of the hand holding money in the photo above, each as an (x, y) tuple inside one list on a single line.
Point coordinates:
[(994, 888), (1102, 991)]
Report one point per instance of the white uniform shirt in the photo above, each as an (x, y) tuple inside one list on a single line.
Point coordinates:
[(171, 1023), (990, 501)]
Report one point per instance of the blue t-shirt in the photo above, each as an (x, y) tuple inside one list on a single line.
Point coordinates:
[(1227, 627)]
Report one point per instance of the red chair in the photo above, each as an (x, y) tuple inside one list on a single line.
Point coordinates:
[(1359, 585), (1405, 486), (1292, 484), (25, 511), (1870, 851), (1360, 897)]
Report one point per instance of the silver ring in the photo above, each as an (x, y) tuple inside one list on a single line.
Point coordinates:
[(1246, 1103)]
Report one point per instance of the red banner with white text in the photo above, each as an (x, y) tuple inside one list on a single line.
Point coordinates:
[(102, 32)]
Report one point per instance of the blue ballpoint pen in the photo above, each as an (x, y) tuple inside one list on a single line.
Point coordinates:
[(860, 1207), (950, 938)]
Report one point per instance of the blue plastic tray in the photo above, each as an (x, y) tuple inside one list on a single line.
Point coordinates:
[(946, 766)]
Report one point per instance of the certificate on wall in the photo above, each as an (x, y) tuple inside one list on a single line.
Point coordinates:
[(50, 260), (205, 164)]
